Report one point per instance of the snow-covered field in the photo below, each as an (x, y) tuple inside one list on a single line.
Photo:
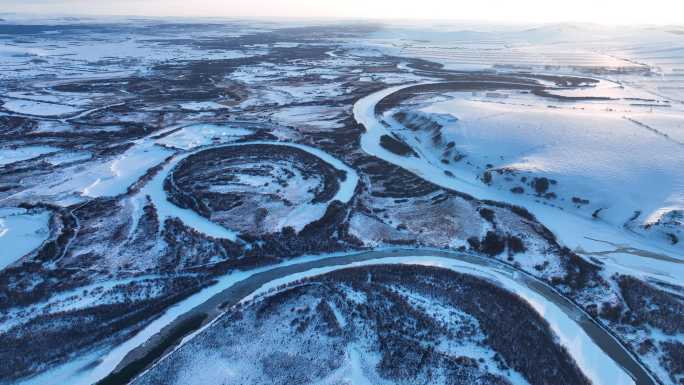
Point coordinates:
[(12, 155), (203, 134), (20, 233), (618, 166), (117, 175), (32, 107), (576, 229)]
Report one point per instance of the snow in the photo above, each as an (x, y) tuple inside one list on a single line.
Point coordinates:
[(310, 92), (97, 178), (102, 53), (13, 155), (104, 177), (68, 157), (65, 373), (107, 362), (203, 134), (76, 99), (353, 370), (202, 106), (356, 368), (594, 363), (20, 233), (574, 229), (165, 209), (604, 88), (670, 123), (116, 176), (302, 215), (98, 293), (297, 218), (473, 347), (37, 108), (588, 153), (338, 316), (317, 116), (652, 359), (478, 46), (348, 186)]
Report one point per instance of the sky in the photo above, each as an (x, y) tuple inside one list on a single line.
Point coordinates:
[(509, 11)]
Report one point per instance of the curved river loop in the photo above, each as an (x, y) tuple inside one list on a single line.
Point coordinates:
[(598, 353)]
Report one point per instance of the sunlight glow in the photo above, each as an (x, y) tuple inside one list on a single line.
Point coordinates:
[(594, 11)]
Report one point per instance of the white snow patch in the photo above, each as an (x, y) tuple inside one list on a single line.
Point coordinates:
[(203, 134), (20, 233), (68, 157), (202, 106), (117, 175), (38, 108), (13, 155)]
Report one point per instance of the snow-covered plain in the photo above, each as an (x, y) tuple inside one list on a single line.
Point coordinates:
[(574, 229), (202, 106), (33, 107), (120, 173), (12, 155), (615, 164), (203, 134), (20, 233)]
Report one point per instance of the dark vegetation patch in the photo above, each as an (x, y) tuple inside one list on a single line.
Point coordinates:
[(493, 244), (66, 333), (487, 177), (567, 81), (546, 93), (390, 181), (63, 223), (456, 83), (515, 244), (580, 201), (529, 347), (647, 305), (416, 122), (487, 214), (396, 146), (673, 360), (190, 182), (43, 29), (327, 235), (579, 273), (674, 239), (517, 190), (540, 185)]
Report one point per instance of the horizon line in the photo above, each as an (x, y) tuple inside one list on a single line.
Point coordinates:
[(328, 18)]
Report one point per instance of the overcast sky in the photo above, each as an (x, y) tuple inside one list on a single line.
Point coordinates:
[(600, 11)]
